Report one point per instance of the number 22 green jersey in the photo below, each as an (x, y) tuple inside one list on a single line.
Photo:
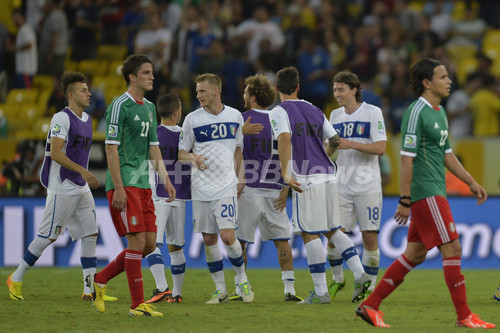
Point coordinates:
[(424, 136), (132, 126)]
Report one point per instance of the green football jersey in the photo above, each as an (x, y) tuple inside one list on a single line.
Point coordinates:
[(132, 126), (424, 136)]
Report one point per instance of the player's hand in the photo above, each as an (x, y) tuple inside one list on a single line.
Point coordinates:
[(251, 129), (119, 199), (199, 161), (479, 192), (240, 188), (90, 179), (294, 185), (402, 215), (344, 144), (280, 203), (169, 188)]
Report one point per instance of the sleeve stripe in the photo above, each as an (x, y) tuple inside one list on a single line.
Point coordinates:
[(115, 112), (415, 112), (407, 153)]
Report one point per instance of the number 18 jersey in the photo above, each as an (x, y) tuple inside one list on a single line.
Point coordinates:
[(424, 136), (132, 126)]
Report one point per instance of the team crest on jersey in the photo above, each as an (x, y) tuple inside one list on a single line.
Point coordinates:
[(452, 227), (56, 129), (57, 231), (410, 141), (360, 129), (113, 131), (232, 128), (133, 220)]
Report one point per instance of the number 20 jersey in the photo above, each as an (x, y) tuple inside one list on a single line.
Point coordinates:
[(216, 138)]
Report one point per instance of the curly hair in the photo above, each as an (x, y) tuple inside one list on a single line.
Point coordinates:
[(260, 87), (70, 77)]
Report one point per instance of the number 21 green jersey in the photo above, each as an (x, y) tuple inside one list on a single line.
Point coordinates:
[(132, 126), (424, 136)]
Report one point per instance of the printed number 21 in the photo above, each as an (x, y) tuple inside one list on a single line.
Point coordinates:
[(145, 128)]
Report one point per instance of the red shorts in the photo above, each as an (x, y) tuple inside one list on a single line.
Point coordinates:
[(431, 222), (139, 214)]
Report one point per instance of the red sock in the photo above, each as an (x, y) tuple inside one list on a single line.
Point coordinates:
[(112, 269), (392, 278), (456, 285), (133, 261)]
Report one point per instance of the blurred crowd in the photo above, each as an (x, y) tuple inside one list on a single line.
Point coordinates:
[(376, 39)]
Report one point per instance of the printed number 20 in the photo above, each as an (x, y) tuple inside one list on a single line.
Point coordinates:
[(227, 209)]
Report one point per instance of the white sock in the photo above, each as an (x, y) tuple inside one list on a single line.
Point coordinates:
[(34, 252), (88, 259), (178, 268), (345, 246), (336, 264), (157, 268), (216, 266), (288, 278), (315, 253), (237, 286), (370, 261), (235, 255)]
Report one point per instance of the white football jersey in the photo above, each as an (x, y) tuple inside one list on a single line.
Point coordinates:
[(59, 127), (216, 138), (358, 172)]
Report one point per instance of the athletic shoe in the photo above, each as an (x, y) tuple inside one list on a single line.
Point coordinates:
[(235, 297), (218, 297), (97, 293), (371, 316), (361, 285), (159, 296), (316, 299), (144, 309), (473, 321), (289, 297), (106, 298), (15, 289), (334, 287), (246, 292), (175, 299), (496, 294)]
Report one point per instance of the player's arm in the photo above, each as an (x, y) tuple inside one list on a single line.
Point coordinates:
[(285, 154), (280, 203), (453, 164), (375, 148), (57, 155), (405, 174), (112, 157), (332, 145), (239, 169), (197, 160), (157, 161), (251, 128)]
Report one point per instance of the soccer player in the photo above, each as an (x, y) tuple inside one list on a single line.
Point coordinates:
[(425, 152), (170, 216), (301, 129), (214, 135), (263, 201), (131, 141), (362, 139), (496, 294), (65, 174)]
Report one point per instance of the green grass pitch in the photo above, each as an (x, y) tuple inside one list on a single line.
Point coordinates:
[(421, 304)]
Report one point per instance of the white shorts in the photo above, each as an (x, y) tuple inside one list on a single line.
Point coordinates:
[(74, 212), (316, 210), (170, 222), (211, 216), (259, 211), (365, 209)]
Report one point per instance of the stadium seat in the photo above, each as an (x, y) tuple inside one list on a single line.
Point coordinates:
[(22, 96), (41, 126), (112, 52), (105, 82), (465, 67), (43, 82), (93, 67), (115, 68), (111, 94), (495, 68), (491, 37), (492, 51), (458, 52)]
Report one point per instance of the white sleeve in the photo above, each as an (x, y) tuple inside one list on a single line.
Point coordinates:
[(186, 138), (377, 132), (59, 126), (239, 132), (279, 121), (328, 130)]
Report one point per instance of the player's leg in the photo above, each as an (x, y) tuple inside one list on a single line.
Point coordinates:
[(285, 260), (226, 214), (316, 261), (58, 209), (176, 239), (178, 269)]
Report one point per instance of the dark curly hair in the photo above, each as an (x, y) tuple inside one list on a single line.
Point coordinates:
[(70, 77), (260, 87)]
